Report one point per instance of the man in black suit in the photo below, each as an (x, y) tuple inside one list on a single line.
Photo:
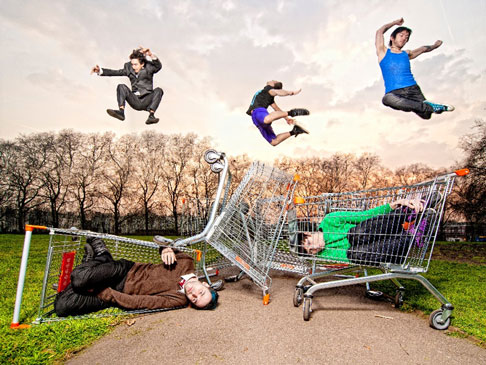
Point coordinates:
[(140, 70)]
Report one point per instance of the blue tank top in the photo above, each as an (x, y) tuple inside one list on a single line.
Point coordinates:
[(396, 71)]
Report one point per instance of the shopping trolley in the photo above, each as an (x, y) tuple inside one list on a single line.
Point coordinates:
[(65, 252), (359, 230), (65, 245)]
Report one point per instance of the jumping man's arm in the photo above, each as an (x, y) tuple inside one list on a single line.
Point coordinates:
[(424, 49), (276, 92), (380, 39)]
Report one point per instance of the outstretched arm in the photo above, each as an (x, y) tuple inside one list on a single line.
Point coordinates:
[(423, 49), (276, 92), (380, 39)]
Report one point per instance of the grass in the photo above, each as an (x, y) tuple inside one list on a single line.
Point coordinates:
[(45, 343), (463, 284)]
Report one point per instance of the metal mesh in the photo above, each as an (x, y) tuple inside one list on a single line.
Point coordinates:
[(249, 227), (400, 237)]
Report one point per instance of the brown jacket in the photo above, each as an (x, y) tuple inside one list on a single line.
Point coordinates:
[(152, 286)]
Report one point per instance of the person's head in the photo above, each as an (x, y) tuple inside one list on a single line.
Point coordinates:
[(137, 59), (400, 37), (310, 242), (275, 84), (200, 295)]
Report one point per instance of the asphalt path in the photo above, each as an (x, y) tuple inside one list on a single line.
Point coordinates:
[(345, 328)]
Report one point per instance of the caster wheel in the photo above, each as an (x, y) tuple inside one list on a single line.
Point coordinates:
[(307, 309), (398, 299), (374, 294), (298, 296), (436, 322), (217, 167), (211, 156)]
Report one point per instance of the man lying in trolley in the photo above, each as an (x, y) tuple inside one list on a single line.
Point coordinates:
[(377, 235), (100, 282)]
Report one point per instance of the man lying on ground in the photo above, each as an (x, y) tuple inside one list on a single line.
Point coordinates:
[(100, 282)]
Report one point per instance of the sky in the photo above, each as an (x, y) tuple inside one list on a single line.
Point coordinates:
[(217, 54)]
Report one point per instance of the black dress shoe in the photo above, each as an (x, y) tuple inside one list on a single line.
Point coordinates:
[(118, 114)]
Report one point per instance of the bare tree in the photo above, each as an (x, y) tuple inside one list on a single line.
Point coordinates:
[(148, 172), (366, 168), (177, 159), (28, 159), (6, 191), (56, 174), (117, 171), (470, 195), (337, 172), (87, 172)]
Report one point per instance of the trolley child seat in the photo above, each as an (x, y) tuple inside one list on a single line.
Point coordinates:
[(399, 242)]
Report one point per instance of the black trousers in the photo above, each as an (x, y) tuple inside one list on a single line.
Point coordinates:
[(88, 279), (408, 99), (147, 102), (381, 239)]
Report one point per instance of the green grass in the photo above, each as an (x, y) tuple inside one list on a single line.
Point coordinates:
[(464, 285)]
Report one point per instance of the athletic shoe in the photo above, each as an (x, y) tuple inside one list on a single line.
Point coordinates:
[(298, 129), (296, 112), (152, 119), (218, 285), (439, 108), (98, 245), (118, 114), (88, 253)]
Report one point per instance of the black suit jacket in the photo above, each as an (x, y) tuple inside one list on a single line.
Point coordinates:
[(143, 82)]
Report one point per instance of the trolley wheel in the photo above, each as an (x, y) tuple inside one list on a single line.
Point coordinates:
[(298, 296), (436, 322), (374, 294), (217, 167), (398, 299), (211, 156), (307, 309)]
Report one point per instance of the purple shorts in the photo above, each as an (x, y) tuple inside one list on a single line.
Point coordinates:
[(258, 115)]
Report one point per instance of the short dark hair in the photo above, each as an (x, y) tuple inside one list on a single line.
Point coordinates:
[(137, 54), (398, 30), (213, 303), (278, 85)]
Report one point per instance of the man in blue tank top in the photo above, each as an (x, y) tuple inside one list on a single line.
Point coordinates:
[(263, 120), (401, 89)]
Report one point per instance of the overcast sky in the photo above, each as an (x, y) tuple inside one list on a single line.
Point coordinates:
[(217, 54)]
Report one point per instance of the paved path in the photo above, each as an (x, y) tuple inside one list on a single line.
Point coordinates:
[(345, 328)]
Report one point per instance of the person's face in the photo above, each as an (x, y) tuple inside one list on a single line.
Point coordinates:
[(400, 39), (313, 242), (272, 82), (198, 293), (137, 66)]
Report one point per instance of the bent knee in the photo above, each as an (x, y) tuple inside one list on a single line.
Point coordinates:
[(122, 87), (158, 91)]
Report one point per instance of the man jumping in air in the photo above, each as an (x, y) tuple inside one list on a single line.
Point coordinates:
[(140, 70), (401, 89), (263, 119)]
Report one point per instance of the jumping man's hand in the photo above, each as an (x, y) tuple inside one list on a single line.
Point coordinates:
[(95, 69)]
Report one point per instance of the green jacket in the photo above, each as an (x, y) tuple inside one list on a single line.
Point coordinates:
[(335, 227)]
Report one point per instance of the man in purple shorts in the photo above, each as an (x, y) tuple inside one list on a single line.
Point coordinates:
[(263, 119)]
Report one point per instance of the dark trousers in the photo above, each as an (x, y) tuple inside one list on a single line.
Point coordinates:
[(147, 102), (88, 279), (408, 99), (381, 239)]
